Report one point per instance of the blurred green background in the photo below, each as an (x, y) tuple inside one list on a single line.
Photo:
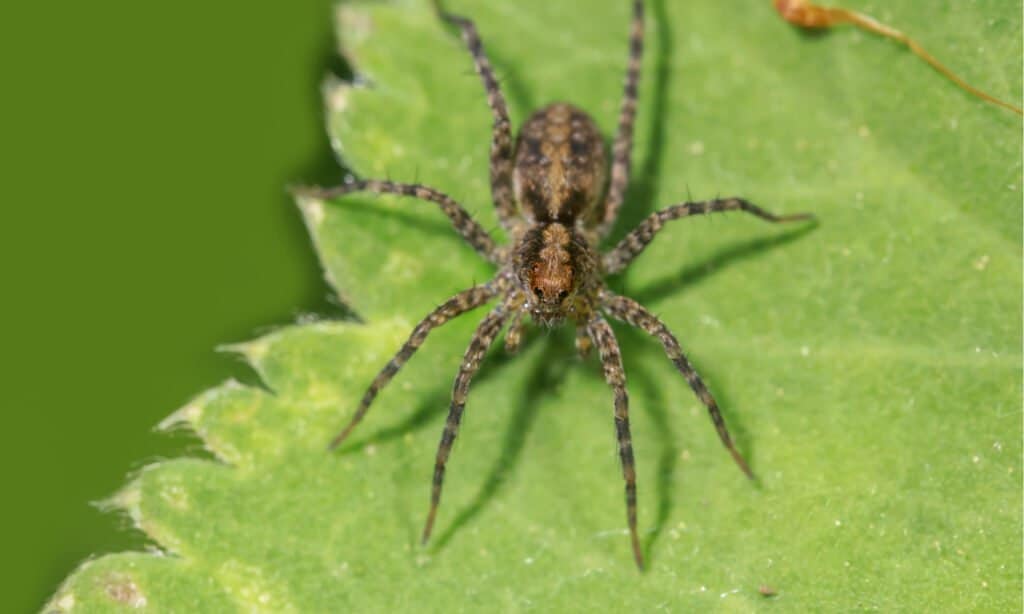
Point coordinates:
[(145, 152)]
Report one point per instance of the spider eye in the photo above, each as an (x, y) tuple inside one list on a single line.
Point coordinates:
[(563, 294), (538, 292)]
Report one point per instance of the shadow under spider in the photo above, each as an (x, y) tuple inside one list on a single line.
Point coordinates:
[(639, 201), (556, 358), (724, 257), (412, 218), (435, 403), (647, 390), (518, 97), (654, 406)]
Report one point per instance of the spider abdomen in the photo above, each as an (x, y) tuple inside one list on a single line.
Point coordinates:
[(560, 165)]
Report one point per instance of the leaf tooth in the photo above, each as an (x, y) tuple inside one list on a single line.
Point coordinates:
[(314, 214), (192, 412), (126, 499), (357, 25), (258, 353), (129, 500), (181, 419), (254, 351), (63, 601), (204, 416), (336, 93), (312, 210)]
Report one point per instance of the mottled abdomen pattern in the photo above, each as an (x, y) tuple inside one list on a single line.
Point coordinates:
[(559, 165)]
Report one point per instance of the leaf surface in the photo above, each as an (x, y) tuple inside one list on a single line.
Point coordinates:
[(869, 367)]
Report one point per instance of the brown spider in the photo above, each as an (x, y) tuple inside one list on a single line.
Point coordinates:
[(547, 187)]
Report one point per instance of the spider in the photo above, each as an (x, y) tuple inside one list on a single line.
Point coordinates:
[(547, 185)]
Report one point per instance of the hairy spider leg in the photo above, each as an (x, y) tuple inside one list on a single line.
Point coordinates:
[(501, 136), (637, 240), (482, 340), (457, 305), (615, 375), (514, 335), (633, 313), (468, 228), (583, 341), (623, 146)]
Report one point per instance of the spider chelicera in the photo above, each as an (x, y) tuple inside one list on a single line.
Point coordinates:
[(547, 185)]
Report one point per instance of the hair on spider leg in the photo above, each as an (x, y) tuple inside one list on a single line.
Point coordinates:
[(557, 192), (717, 260), (547, 370)]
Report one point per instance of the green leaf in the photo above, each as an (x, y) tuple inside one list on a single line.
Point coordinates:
[(870, 366)]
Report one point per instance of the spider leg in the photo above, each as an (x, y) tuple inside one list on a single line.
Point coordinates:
[(501, 136), (632, 312), (615, 375), (464, 224), (623, 146), (482, 339), (637, 240), (514, 336), (455, 306), (583, 342)]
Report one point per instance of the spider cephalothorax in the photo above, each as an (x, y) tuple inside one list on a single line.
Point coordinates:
[(554, 266), (547, 187)]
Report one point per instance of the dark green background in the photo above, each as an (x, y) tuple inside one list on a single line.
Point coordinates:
[(145, 152)]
